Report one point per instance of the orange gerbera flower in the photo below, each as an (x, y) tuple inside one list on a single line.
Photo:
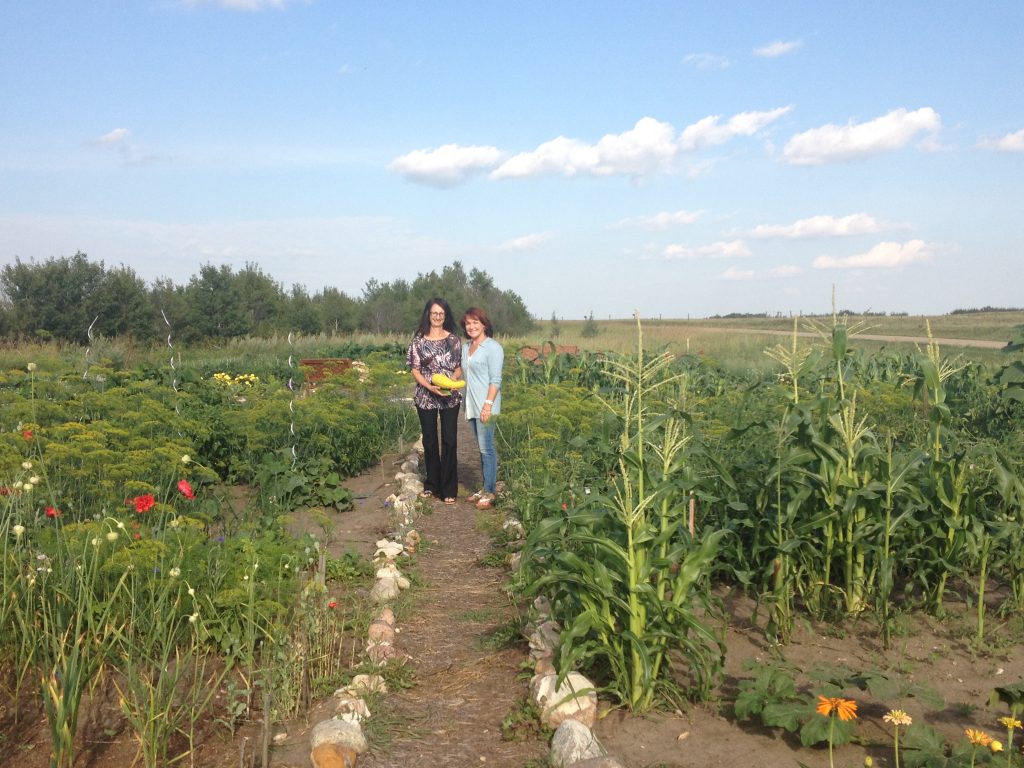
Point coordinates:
[(978, 738), (845, 709)]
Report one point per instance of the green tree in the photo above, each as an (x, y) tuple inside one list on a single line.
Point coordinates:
[(213, 308), (590, 327), (336, 311)]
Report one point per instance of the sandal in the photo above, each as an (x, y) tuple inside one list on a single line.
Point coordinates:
[(486, 502), (476, 496), (449, 500), (427, 495)]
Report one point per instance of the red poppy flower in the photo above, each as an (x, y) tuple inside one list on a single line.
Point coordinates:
[(332, 604), (186, 489), (565, 507), (52, 512), (136, 536), (28, 434), (143, 503)]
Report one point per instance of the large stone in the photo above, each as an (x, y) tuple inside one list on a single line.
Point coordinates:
[(575, 699), (544, 639), (333, 756), (605, 761), (350, 708), (389, 550), (572, 743), (381, 631), (384, 590), (363, 684), (381, 651), (339, 732)]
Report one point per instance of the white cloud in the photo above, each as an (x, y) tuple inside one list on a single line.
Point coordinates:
[(732, 273), (831, 143), (1011, 142), (524, 243), (886, 255), (646, 148), (707, 61), (820, 226), (720, 250), (777, 48), (663, 220), (115, 138), (447, 165), (708, 131)]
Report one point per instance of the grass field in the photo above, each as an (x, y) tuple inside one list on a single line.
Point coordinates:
[(740, 349)]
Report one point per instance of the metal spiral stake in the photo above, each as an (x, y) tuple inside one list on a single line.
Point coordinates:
[(291, 403), (88, 349), (174, 368)]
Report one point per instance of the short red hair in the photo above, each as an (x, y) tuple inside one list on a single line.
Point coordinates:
[(477, 314)]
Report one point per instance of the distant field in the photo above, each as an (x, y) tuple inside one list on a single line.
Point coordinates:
[(744, 346)]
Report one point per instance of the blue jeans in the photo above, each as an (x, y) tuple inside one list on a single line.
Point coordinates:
[(488, 456)]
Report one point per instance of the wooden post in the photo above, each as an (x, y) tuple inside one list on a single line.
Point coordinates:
[(693, 515)]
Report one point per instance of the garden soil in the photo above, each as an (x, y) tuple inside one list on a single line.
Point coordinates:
[(462, 689)]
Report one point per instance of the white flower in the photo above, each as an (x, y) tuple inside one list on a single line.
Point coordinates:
[(111, 536), (34, 479), (27, 487), (96, 541), (193, 618), (174, 523), (191, 592), (175, 572), (120, 525), (26, 465), (18, 531), (31, 366), (186, 459)]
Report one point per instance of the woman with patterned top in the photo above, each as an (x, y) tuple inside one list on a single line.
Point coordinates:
[(436, 349)]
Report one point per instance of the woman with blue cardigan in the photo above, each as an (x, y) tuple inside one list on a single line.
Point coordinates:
[(482, 361)]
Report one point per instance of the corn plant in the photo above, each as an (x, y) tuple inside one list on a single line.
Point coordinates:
[(624, 573)]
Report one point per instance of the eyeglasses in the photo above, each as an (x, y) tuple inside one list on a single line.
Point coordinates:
[(437, 314)]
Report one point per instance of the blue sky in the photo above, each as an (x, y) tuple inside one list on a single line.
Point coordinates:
[(679, 158)]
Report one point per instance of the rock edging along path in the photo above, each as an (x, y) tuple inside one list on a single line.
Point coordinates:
[(463, 685)]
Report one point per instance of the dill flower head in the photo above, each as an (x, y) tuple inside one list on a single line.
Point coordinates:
[(844, 709), (897, 717)]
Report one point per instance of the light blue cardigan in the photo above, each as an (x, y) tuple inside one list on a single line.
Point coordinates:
[(480, 371)]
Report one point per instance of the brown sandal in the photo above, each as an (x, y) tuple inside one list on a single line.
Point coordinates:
[(450, 500), (427, 495)]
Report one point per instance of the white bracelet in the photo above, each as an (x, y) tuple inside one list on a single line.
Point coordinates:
[(488, 402)]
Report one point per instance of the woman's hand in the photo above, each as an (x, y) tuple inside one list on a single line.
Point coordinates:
[(485, 413)]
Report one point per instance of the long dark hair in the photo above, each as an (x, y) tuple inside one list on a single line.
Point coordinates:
[(449, 318)]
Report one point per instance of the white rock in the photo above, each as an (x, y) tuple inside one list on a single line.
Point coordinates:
[(384, 590), (575, 699), (341, 732), (572, 743), (515, 527), (544, 639), (363, 684), (388, 571), (388, 549), (350, 708), (386, 615)]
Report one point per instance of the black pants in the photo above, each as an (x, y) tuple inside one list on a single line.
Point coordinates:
[(442, 465)]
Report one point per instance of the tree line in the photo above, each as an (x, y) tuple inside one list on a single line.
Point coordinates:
[(62, 298)]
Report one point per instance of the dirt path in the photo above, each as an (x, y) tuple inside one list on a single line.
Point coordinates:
[(920, 340), (463, 687)]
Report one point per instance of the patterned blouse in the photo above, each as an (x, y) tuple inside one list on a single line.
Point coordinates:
[(430, 357)]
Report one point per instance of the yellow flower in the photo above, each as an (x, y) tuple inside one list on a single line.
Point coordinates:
[(845, 709), (996, 746), (31, 366), (897, 717), (111, 536), (18, 531), (1010, 722), (978, 738)]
